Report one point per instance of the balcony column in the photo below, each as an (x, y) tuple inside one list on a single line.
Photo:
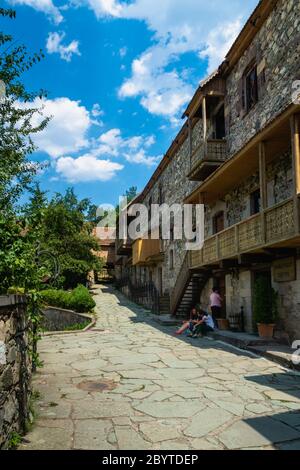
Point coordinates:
[(190, 127), (263, 186), (295, 131), (204, 118)]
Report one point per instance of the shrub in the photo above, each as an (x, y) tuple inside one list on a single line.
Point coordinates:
[(78, 300), (81, 300), (265, 302)]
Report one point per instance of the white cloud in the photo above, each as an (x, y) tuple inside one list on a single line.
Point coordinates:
[(97, 111), (133, 149), (161, 92), (104, 8), (54, 45), (66, 131), (86, 168), (45, 6), (123, 52), (204, 28), (219, 41)]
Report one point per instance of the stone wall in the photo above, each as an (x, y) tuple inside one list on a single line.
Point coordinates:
[(238, 200), (280, 185), (14, 367), (175, 187), (289, 305), (58, 319), (239, 294), (276, 50)]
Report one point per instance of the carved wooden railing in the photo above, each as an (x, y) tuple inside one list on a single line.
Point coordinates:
[(214, 150), (272, 225), (181, 283)]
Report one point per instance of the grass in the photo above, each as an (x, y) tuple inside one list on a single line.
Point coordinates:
[(14, 440), (77, 326)]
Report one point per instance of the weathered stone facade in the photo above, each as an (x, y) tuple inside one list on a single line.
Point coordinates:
[(289, 304), (14, 367), (275, 49), (175, 187)]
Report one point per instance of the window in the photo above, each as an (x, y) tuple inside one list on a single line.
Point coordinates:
[(255, 202), (171, 259), (250, 88), (218, 222), (160, 194)]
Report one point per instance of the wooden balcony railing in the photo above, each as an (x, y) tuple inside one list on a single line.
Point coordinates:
[(273, 225), (213, 150)]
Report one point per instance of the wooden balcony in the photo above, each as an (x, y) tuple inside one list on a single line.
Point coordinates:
[(146, 252), (274, 227), (206, 158)]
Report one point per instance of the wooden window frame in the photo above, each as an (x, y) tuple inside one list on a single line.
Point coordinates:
[(247, 105)]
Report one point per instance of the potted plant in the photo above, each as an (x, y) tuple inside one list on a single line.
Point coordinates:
[(265, 307)]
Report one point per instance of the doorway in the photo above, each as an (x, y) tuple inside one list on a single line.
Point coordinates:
[(220, 284), (218, 222), (160, 281)]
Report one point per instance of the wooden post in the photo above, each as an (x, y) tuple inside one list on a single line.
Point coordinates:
[(204, 118), (190, 140), (295, 129), (262, 175), (263, 187)]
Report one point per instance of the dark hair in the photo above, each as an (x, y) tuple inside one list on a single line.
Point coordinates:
[(215, 289)]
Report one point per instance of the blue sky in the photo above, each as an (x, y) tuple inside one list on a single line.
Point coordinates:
[(118, 76)]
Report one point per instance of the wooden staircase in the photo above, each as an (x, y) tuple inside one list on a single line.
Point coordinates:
[(187, 290)]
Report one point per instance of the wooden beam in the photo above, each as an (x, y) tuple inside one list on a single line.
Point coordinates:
[(204, 117), (294, 123), (190, 140), (254, 258), (262, 175)]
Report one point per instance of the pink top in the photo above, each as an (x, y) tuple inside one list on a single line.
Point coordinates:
[(215, 300)]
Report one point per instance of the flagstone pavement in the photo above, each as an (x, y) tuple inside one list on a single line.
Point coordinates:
[(129, 383)]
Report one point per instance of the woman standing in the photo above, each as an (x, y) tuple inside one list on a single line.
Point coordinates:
[(215, 304)]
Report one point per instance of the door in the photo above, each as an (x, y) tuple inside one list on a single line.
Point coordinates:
[(222, 291), (218, 222), (160, 281)]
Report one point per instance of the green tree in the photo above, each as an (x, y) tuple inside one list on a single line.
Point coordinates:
[(16, 118), (67, 234)]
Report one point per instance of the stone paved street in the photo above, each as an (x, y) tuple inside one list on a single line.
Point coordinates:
[(130, 384)]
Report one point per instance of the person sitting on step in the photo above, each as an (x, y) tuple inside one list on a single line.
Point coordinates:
[(204, 326), (190, 324)]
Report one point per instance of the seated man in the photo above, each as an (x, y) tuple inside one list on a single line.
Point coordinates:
[(204, 326)]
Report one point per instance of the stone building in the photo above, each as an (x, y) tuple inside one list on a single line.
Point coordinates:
[(251, 199), (238, 154)]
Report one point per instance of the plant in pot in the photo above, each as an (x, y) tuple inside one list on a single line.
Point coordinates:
[(265, 307)]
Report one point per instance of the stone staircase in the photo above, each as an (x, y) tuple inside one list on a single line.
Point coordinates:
[(191, 294), (187, 290)]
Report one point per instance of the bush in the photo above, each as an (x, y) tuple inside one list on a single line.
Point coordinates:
[(265, 302), (81, 300), (78, 299)]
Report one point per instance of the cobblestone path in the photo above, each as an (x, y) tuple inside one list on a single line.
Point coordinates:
[(130, 384)]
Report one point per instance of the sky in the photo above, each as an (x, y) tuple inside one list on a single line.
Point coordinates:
[(118, 75)]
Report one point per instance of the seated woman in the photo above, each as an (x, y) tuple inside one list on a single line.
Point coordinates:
[(204, 326), (190, 324)]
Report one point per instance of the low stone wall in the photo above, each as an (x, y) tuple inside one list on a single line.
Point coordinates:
[(15, 367), (58, 319)]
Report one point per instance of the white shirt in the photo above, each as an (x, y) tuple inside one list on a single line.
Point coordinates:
[(209, 321)]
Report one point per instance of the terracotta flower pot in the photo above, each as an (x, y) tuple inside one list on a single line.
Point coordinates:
[(223, 323), (265, 330)]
